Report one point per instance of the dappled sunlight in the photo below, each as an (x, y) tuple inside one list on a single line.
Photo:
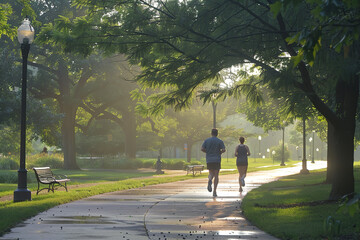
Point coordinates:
[(285, 192), (287, 180)]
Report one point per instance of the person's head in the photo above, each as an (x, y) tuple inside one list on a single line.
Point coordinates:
[(242, 140), (214, 132)]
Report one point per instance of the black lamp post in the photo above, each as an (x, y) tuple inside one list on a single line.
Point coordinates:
[(26, 37), (214, 105), (214, 113), (313, 148), (304, 169), (283, 148)]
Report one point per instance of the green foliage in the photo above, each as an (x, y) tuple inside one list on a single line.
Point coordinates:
[(9, 141), (8, 177), (8, 164), (174, 164), (113, 162), (54, 161), (125, 163), (278, 153), (103, 137), (5, 29), (351, 205), (332, 227), (270, 115), (340, 19)]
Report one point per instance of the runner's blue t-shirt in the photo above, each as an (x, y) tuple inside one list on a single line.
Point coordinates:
[(212, 147)]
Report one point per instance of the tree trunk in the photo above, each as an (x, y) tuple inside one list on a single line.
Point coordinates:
[(330, 154), (129, 129), (342, 173), (68, 138), (161, 152), (189, 148)]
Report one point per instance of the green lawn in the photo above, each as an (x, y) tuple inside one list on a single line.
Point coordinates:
[(271, 208), (76, 176)]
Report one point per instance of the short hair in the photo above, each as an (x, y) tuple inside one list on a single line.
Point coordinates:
[(242, 140), (214, 132)]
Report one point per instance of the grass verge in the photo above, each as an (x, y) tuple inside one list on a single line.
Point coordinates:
[(296, 207), (76, 176)]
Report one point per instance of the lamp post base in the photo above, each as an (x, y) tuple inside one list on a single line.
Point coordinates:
[(22, 194)]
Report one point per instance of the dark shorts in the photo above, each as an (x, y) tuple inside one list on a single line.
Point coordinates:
[(213, 166), (241, 164)]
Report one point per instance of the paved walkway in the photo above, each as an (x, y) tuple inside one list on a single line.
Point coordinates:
[(180, 210)]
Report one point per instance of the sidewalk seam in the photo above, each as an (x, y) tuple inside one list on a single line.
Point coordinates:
[(146, 213)]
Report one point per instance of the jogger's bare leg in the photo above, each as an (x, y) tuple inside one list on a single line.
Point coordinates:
[(216, 180)]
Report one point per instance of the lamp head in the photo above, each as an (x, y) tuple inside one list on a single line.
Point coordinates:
[(26, 32)]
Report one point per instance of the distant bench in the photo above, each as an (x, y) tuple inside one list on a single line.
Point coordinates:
[(194, 169), (44, 175)]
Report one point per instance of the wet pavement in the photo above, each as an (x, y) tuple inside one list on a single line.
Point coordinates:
[(179, 210)]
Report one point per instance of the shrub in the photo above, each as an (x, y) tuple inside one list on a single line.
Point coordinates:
[(148, 163), (109, 163), (122, 163), (53, 161), (174, 164), (278, 153), (8, 164), (8, 177)]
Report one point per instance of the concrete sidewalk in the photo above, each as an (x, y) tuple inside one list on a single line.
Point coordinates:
[(180, 210)]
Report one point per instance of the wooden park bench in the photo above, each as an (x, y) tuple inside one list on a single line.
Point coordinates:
[(44, 175), (194, 169)]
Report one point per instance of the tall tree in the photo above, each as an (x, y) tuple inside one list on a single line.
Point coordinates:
[(41, 120), (186, 43)]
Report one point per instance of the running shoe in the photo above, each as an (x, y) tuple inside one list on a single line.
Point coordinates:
[(242, 182), (209, 186)]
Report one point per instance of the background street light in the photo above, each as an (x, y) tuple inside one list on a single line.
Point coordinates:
[(268, 150), (310, 140), (317, 153), (311, 152), (273, 153), (26, 37), (304, 169), (259, 146)]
